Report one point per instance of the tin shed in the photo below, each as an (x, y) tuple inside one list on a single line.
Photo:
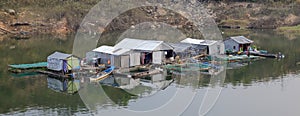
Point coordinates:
[(146, 50), (237, 43), (213, 47), (62, 62), (110, 56), (185, 50)]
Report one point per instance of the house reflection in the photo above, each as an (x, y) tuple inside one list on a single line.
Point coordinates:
[(69, 86)]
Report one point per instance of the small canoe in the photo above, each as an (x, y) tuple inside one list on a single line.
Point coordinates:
[(102, 75), (29, 66), (267, 55)]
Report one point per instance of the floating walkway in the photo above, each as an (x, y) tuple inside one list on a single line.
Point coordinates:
[(137, 74), (53, 74), (240, 57), (29, 66), (189, 67), (35, 68)]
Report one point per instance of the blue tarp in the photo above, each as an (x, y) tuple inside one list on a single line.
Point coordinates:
[(109, 69)]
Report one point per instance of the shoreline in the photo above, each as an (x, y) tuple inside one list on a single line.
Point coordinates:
[(32, 19)]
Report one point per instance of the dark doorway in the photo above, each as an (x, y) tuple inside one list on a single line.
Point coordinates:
[(146, 58), (169, 54), (98, 61)]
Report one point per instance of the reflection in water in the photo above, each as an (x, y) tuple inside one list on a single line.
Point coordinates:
[(120, 91), (69, 86), (56, 84), (28, 93), (257, 82)]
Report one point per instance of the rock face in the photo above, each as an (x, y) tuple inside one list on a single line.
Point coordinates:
[(11, 11), (257, 16), (292, 19), (61, 27), (237, 14)]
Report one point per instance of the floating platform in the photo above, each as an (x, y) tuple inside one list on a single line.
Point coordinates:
[(137, 74), (34, 72), (189, 67), (268, 55), (29, 66), (53, 74), (25, 68), (240, 57)]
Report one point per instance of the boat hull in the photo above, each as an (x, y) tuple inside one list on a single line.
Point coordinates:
[(104, 74), (99, 78)]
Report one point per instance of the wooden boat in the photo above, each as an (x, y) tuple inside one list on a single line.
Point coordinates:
[(267, 55), (188, 67), (102, 75), (29, 66), (21, 68), (234, 58)]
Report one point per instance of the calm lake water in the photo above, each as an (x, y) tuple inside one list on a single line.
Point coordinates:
[(264, 87)]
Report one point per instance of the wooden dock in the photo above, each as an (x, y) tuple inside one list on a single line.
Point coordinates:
[(237, 58), (137, 74), (53, 74), (145, 73), (29, 66), (25, 68)]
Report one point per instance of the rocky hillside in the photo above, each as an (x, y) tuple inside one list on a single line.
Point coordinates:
[(64, 16), (256, 15)]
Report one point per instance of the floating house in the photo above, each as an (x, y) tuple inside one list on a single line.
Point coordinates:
[(212, 46), (237, 43), (186, 50), (62, 62), (146, 51), (108, 55)]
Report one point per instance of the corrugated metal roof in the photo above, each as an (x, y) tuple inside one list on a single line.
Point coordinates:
[(208, 42), (241, 40), (128, 43), (147, 45), (120, 51), (191, 41), (199, 41), (180, 47), (59, 55), (111, 50), (104, 49)]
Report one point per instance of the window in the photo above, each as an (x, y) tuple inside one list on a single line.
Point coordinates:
[(233, 47)]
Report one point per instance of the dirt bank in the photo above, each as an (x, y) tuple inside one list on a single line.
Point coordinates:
[(63, 17), (254, 15)]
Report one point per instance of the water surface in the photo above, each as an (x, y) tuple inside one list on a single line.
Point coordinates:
[(264, 87)]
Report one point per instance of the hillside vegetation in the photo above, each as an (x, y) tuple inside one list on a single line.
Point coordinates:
[(64, 16)]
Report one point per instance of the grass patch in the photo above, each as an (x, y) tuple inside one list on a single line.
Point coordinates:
[(233, 22), (290, 29), (235, 32), (291, 32)]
